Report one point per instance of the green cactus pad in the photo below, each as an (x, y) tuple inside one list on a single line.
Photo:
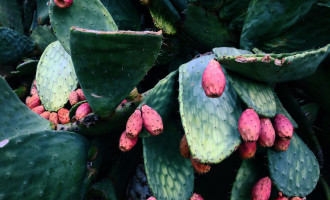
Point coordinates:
[(311, 111), (11, 15), (233, 8), (89, 14), (104, 189), (229, 51), (43, 36), (278, 67), (110, 64), (170, 176), (296, 171), (55, 77), (74, 108), (42, 11), (256, 95), (27, 68), (16, 118), (13, 46), (210, 124), (44, 165), (281, 110)]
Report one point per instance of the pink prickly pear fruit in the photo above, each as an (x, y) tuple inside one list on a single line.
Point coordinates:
[(39, 109), (262, 189), (152, 121), (283, 127), (281, 145), (199, 167), (63, 116), (53, 118), (45, 114), (124, 101), (281, 197), (125, 143), (63, 3), (134, 124), (81, 95), (34, 91), (35, 83), (247, 150), (151, 198), (196, 196), (82, 111), (267, 133), (213, 80), (184, 148), (73, 98), (249, 125), (33, 101)]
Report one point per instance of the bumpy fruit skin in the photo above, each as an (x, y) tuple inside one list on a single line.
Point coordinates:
[(267, 133), (54, 118), (82, 111), (152, 121), (247, 149), (199, 167), (125, 143), (262, 189), (34, 91), (63, 116), (196, 196), (81, 95), (184, 148), (151, 198), (33, 101), (281, 197), (134, 124), (213, 80), (249, 125), (39, 109), (63, 3), (45, 115), (283, 127), (281, 145), (73, 98)]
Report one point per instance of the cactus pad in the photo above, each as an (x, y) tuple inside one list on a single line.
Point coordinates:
[(43, 36), (281, 110), (11, 15), (27, 68), (55, 77)]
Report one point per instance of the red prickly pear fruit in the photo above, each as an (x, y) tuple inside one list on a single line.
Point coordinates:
[(213, 80), (152, 121), (35, 83), (199, 167), (125, 143), (73, 98), (82, 111), (53, 118), (151, 198), (249, 125), (283, 127), (262, 189), (281, 197), (281, 145), (196, 196), (63, 3), (184, 148), (63, 116), (33, 101), (45, 114), (81, 95), (267, 133), (124, 101), (34, 91), (134, 124), (39, 109), (247, 149)]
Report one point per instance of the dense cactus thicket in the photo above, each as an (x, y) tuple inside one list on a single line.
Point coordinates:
[(164, 99)]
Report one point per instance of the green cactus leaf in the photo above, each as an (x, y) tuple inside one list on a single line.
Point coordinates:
[(281, 110), (170, 176), (104, 189), (210, 124), (17, 118), (27, 68), (296, 171), (233, 8), (13, 45), (276, 67), (55, 77), (42, 11), (210, 5), (44, 165), (11, 15), (229, 51), (28, 12), (43, 36), (88, 14), (105, 73), (74, 108), (180, 5), (267, 19), (311, 110)]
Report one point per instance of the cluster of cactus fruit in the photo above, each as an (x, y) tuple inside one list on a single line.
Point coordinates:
[(189, 82)]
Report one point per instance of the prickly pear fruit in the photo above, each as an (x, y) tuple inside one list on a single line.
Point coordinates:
[(63, 3), (199, 167), (63, 116), (81, 95), (267, 133), (262, 189), (82, 111), (33, 101), (213, 80), (281, 145), (73, 98), (196, 196), (249, 125), (247, 149), (151, 198), (34, 91), (184, 148), (53, 118), (134, 124), (125, 143), (283, 127), (152, 121), (45, 114), (39, 109), (281, 197)]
